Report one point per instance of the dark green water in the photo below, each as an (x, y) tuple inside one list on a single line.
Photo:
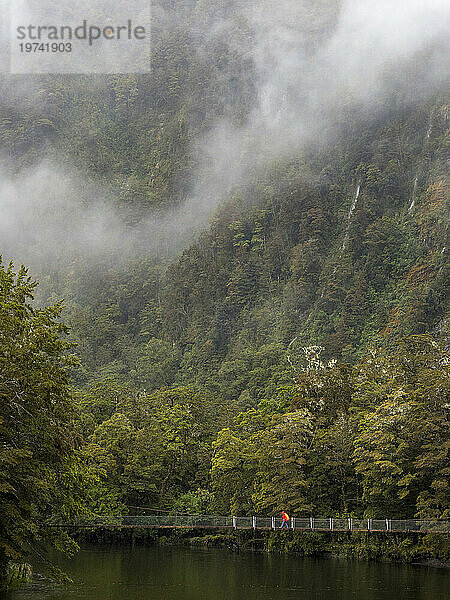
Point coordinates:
[(151, 573)]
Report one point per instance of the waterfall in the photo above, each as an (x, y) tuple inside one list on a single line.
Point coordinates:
[(430, 126), (413, 198), (427, 137), (353, 206), (347, 229), (349, 218), (334, 273)]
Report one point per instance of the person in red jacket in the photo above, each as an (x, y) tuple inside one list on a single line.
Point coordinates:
[(284, 520)]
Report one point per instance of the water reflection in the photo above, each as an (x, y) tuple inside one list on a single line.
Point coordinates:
[(150, 573)]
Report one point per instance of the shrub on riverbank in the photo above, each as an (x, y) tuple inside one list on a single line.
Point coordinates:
[(404, 547), (15, 575), (407, 548)]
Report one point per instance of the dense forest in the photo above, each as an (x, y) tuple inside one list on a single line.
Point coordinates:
[(286, 349)]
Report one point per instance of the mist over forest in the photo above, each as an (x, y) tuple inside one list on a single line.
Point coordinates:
[(250, 247), (291, 79)]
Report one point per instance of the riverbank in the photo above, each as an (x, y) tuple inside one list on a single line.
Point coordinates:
[(410, 548), (429, 550), (15, 575)]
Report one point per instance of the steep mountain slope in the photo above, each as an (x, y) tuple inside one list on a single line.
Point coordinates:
[(251, 242), (339, 241), (353, 253)]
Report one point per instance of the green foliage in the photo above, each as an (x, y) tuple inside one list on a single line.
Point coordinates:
[(402, 446), (197, 502), (153, 450), (157, 365), (205, 380), (41, 473), (369, 441)]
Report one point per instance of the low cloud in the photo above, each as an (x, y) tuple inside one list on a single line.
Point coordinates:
[(315, 65)]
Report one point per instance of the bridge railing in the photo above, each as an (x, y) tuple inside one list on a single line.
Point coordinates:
[(255, 522)]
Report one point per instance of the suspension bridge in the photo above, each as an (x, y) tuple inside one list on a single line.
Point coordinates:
[(175, 521)]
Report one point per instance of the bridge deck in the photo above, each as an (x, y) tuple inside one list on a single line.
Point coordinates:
[(254, 522)]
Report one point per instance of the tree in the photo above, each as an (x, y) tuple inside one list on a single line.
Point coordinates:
[(282, 453), (401, 449), (232, 473), (38, 470), (153, 449)]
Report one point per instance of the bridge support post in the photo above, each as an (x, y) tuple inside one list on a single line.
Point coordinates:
[(369, 524), (273, 522), (254, 522), (234, 523), (293, 523), (350, 524), (331, 524), (311, 523)]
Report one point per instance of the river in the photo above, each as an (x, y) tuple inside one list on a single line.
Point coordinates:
[(168, 573)]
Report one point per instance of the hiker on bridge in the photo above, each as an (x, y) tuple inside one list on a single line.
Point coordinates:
[(284, 520)]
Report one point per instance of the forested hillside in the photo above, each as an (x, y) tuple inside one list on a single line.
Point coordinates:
[(288, 347)]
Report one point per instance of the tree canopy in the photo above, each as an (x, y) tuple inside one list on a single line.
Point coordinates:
[(40, 474)]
